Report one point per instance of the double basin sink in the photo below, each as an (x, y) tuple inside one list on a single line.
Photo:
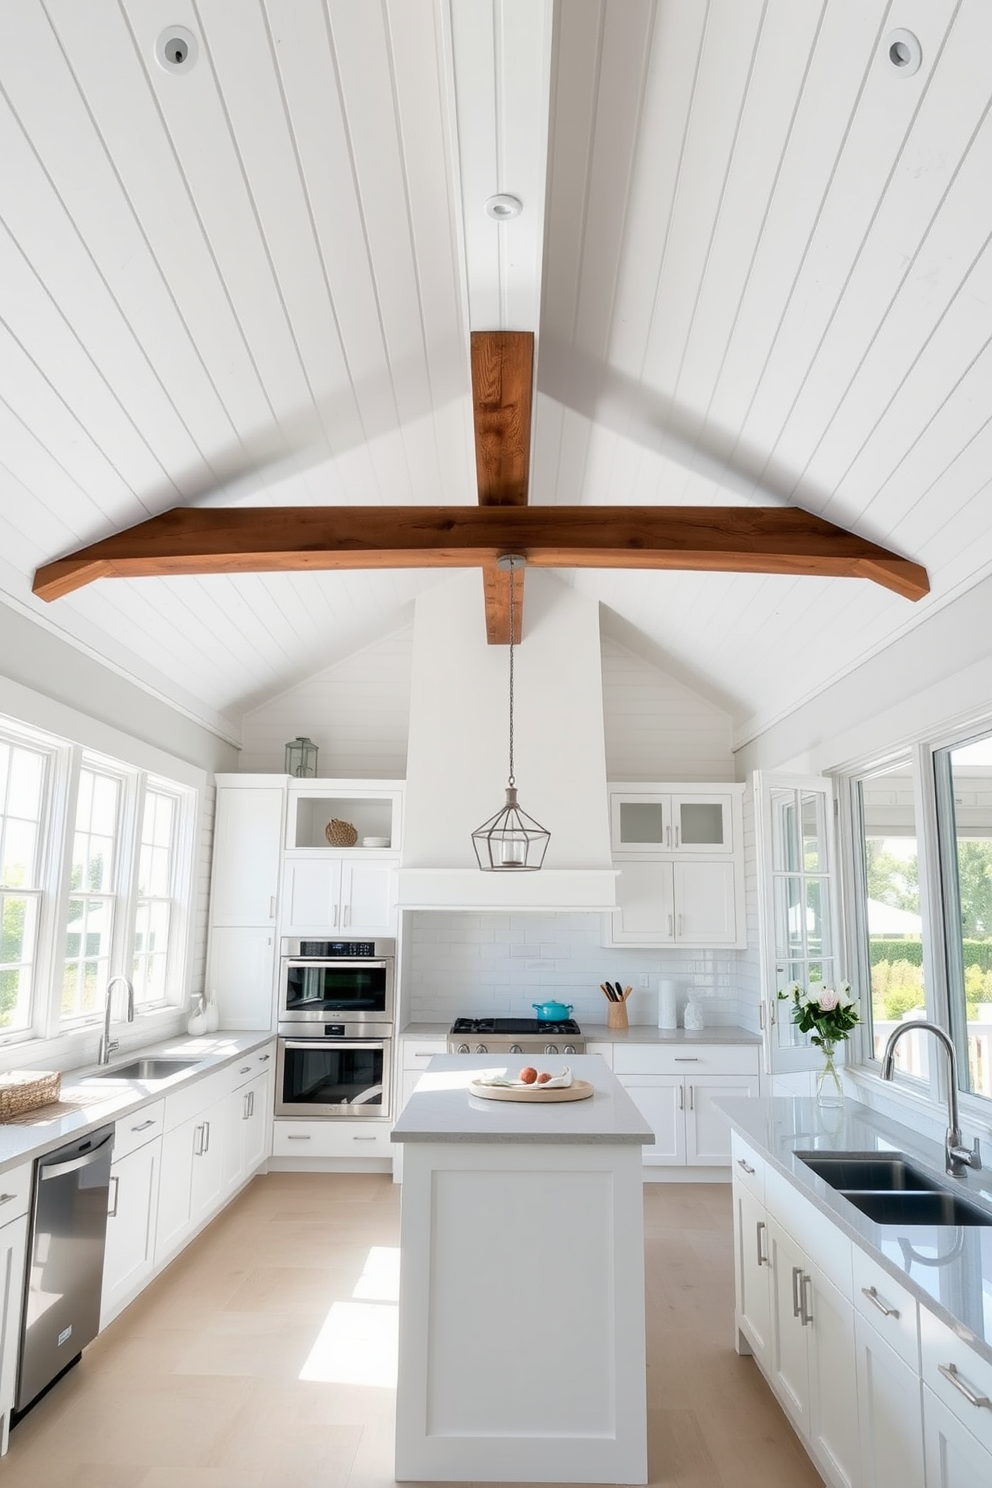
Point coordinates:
[(890, 1189)]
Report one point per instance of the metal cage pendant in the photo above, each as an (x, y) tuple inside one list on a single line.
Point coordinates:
[(510, 841)]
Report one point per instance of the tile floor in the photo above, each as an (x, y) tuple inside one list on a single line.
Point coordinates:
[(222, 1373)]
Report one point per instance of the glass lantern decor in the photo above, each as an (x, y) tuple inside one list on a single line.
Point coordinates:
[(301, 758)]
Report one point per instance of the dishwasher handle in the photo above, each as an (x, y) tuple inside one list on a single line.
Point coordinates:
[(58, 1170)]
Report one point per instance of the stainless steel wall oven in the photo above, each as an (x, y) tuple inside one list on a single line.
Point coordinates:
[(334, 1051)]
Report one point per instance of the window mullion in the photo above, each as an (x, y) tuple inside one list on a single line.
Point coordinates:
[(935, 978), (61, 838)]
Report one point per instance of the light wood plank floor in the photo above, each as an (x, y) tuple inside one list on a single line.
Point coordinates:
[(198, 1383)]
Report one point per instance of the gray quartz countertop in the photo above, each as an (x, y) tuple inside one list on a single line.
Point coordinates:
[(948, 1267), (101, 1102), (599, 1033), (442, 1109)]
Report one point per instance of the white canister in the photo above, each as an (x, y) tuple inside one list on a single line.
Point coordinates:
[(668, 1004)]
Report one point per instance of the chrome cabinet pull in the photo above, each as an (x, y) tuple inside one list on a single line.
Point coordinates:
[(876, 1301), (272, 906), (245, 1069), (251, 1103), (668, 836), (5, 1198), (679, 931), (112, 1210), (950, 1373), (687, 1059), (746, 1166), (363, 1139), (144, 1125), (681, 1097), (677, 844), (671, 926), (206, 1136), (805, 1307), (759, 1229), (297, 1137), (691, 1106), (797, 1272), (198, 1141), (244, 1106), (263, 1057)]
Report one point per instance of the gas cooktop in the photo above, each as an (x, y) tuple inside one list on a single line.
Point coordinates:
[(505, 1026)]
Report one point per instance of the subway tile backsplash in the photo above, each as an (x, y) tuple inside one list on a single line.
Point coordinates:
[(463, 964)]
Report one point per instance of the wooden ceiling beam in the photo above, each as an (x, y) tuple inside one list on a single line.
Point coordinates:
[(502, 391), (285, 539)]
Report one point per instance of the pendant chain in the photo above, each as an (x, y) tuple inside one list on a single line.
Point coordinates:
[(513, 586)]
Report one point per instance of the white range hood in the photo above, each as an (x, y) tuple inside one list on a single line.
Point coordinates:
[(458, 750)]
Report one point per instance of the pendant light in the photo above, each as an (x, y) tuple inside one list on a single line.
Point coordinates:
[(511, 840)]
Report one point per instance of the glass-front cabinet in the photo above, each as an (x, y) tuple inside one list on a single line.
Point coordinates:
[(648, 821)]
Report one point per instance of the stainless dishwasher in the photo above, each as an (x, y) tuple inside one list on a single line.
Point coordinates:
[(65, 1261)]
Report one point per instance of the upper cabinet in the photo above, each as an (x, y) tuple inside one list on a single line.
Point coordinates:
[(248, 828), (373, 812), (646, 820), (679, 849)]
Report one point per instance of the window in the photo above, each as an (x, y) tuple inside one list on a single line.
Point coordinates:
[(24, 776), (963, 785), (96, 862), (890, 922), (93, 893)]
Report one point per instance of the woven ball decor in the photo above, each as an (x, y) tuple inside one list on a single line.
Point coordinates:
[(340, 833)]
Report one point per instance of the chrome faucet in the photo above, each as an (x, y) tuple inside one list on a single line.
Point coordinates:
[(957, 1157), (107, 1044)]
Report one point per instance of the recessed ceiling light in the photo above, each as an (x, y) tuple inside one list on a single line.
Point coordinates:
[(503, 207), (176, 49), (904, 52)]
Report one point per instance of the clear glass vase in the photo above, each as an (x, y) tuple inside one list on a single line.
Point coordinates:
[(829, 1091)]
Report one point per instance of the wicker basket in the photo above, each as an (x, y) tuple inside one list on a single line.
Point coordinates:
[(26, 1090), (340, 833)]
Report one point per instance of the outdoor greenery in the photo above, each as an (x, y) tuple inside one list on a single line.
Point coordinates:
[(897, 962)]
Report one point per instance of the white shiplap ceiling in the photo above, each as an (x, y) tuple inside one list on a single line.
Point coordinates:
[(756, 256)]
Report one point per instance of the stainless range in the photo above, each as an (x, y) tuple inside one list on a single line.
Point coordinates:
[(515, 1036)]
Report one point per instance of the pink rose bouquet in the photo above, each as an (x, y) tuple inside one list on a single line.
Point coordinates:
[(827, 1013)]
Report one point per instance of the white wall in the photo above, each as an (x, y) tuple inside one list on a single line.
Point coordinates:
[(463, 964), (357, 713), (656, 728)]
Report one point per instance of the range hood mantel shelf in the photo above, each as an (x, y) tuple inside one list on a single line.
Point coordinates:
[(583, 889)]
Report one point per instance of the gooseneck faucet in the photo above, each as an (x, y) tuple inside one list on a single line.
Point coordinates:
[(957, 1156), (108, 1045)]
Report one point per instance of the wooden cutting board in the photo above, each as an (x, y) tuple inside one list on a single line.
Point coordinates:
[(578, 1090)]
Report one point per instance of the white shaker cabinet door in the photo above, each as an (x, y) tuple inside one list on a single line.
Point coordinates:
[(833, 1387), (890, 1413), (247, 854), (13, 1254), (312, 896), (707, 1129), (645, 912), (954, 1458), (241, 969), (753, 1271), (705, 903), (368, 897), (130, 1255), (661, 1101), (788, 1363)]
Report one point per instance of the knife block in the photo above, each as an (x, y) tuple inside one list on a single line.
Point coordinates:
[(616, 1015)]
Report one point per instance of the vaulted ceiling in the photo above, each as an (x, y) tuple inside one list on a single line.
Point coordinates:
[(754, 251)]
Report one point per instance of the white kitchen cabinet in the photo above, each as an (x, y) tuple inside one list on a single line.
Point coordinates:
[(652, 818), (248, 829), (890, 1412), (244, 898), (324, 893), (960, 1379), (129, 1259), (415, 1055), (15, 1194), (753, 1271), (199, 1126), (334, 1138), (681, 869), (953, 1457), (675, 1087), (250, 1118)]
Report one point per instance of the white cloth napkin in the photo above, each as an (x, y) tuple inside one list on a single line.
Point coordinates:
[(498, 1077)]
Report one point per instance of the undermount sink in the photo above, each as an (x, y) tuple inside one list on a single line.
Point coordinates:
[(876, 1171), (144, 1069), (937, 1207), (891, 1190)]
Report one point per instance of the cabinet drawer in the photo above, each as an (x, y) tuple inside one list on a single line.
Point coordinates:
[(331, 1139), (143, 1125), (249, 1066), (954, 1372), (191, 1099), (748, 1167), (15, 1193), (888, 1306), (417, 1053), (685, 1059)]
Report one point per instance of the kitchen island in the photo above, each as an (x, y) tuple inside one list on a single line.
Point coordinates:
[(521, 1352)]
